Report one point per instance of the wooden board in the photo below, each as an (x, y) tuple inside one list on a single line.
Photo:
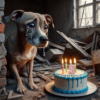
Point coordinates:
[(14, 97), (96, 56), (95, 40), (48, 68), (71, 42), (44, 77), (57, 46), (86, 63), (96, 61), (79, 42)]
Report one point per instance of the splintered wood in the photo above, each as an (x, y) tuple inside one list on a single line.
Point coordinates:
[(77, 47)]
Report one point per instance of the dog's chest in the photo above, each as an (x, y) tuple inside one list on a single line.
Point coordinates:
[(27, 55)]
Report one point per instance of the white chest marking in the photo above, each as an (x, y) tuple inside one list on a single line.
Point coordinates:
[(26, 56)]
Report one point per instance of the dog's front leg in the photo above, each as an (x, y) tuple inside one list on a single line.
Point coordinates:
[(20, 86), (31, 84)]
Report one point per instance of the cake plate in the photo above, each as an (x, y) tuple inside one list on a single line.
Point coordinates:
[(92, 89)]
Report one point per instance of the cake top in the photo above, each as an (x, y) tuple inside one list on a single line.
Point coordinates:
[(79, 74)]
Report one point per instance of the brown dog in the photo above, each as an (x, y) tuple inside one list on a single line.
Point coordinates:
[(22, 45)]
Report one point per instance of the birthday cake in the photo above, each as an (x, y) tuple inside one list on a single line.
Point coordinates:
[(70, 83)]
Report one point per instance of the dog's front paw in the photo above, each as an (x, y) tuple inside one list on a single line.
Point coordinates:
[(21, 89), (32, 86)]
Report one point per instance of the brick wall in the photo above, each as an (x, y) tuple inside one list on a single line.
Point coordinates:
[(3, 52)]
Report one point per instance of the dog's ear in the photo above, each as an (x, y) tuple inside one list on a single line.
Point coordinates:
[(14, 16), (49, 19)]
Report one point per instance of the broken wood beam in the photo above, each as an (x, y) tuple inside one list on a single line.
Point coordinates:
[(88, 46), (57, 46), (96, 61), (44, 77), (86, 63), (94, 43), (81, 51), (80, 66), (78, 42), (14, 97), (47, 68)]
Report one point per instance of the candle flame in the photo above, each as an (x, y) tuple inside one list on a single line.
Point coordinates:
[(62, 61), (70, 61), (74, 60), (65, 60)]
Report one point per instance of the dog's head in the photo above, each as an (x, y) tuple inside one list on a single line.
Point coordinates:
[(32, 26)]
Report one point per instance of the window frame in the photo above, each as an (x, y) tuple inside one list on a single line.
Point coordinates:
[(94, 14)]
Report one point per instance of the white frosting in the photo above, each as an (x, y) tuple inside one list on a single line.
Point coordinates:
[(63, 84), (78, 72)]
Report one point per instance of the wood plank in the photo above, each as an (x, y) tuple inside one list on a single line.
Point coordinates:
[(14, 97), (96, 61), (95, 40), (44, 77), (48, 62), (78, 42), (93, 43), (86, 63), (57, 46), (80, 66), (85, 54), (96, 56), (88, 46), (47, 68)]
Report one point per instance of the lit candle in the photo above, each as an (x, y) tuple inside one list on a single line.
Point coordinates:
[(66, 64), (62, 66), (75, 64), (71, 68), (70, 61)]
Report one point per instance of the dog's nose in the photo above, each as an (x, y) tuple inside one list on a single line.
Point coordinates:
[(43, 39)]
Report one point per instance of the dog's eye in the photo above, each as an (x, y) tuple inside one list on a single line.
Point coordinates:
[(31, 25), (45, 26)]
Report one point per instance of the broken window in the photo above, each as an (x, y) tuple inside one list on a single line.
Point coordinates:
[(86, 13)]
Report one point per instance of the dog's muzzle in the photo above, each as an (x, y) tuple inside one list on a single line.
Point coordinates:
[(43, 39)]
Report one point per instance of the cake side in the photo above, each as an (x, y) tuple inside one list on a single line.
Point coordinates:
[(71, 83)]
